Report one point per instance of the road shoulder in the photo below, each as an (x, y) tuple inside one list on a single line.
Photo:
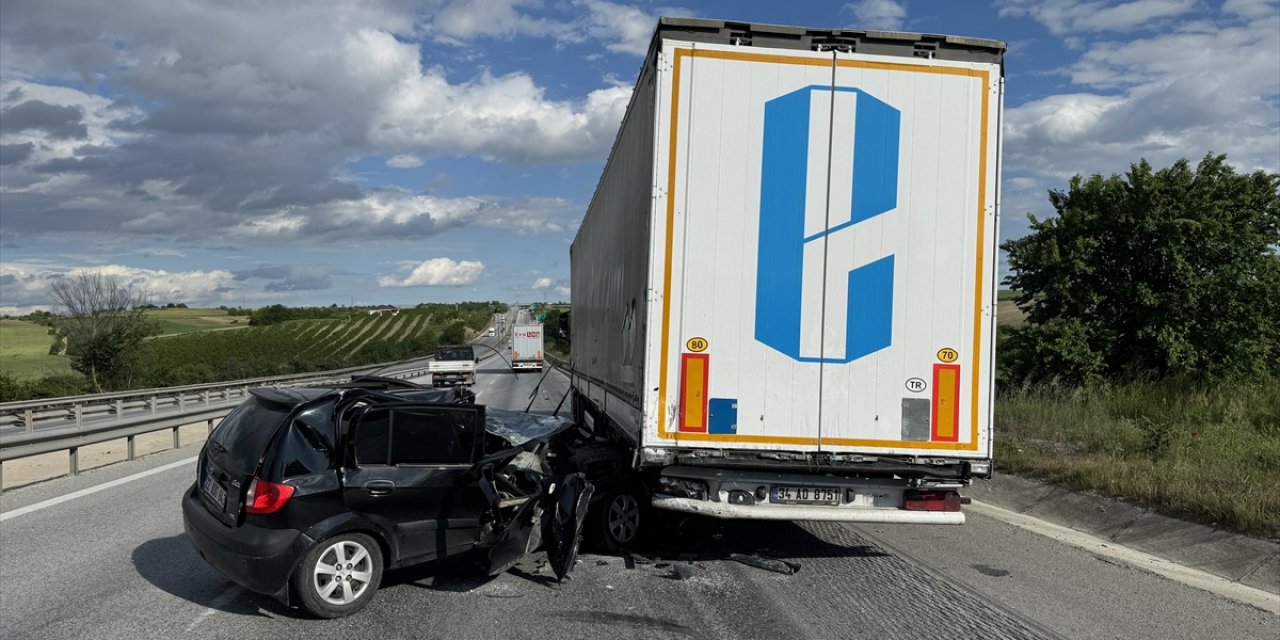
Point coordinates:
[(1237, 558)]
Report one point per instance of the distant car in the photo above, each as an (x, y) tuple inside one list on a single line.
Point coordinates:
[(310, 494)]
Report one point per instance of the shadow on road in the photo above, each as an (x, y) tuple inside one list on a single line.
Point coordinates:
[(695, 538), (173, 566)]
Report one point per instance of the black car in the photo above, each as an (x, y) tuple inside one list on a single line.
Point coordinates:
[(309, 494)]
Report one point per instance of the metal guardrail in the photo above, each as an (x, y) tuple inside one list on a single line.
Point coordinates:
[(28, 441), (557, 362), (27, 414)]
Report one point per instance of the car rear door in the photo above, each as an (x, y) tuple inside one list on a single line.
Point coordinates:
[(410, 469)]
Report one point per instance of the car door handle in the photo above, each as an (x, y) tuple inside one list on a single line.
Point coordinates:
[(379, 487)]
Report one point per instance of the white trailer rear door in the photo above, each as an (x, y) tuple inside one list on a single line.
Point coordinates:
[(823, 243)]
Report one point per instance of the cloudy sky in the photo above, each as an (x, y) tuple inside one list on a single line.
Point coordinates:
[(335, 151)]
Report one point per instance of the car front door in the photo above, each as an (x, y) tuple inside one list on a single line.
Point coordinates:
[(410, 469)]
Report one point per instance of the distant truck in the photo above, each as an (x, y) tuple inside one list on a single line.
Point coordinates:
[(453, 365), (526, 347), (784, 286)]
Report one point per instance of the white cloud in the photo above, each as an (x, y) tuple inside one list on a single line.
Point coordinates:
[(624, 28), (27, 285), (461, 20), (103, 119), (1199, 87), (396, 214), (886, 15), (405, 161), (436, 272), (542, 283), (1075, 16), (503, 117), (1250, 8)]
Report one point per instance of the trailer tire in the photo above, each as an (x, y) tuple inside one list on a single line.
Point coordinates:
[(617, 522)]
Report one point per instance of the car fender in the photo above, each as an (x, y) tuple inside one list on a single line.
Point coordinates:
[(356, 523)]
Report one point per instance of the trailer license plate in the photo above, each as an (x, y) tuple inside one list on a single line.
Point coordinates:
[(214, 491), (805, 495)]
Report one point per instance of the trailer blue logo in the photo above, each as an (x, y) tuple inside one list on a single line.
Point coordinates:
[(793, 123)]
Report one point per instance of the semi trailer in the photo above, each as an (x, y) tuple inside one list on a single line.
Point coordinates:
[(784, 285)]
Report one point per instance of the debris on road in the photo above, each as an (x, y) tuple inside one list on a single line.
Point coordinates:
[(768, 564)]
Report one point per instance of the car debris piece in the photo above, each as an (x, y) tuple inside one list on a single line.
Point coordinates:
[(768, 564)]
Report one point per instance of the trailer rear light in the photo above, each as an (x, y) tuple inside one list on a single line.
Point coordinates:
[(266, 497), (931, 501)]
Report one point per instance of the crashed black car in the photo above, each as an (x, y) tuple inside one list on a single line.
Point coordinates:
[(310, 494)]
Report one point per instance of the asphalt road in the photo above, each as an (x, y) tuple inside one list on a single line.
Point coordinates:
[(116, 564)]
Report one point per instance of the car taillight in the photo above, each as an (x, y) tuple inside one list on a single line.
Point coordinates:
[(931, 501), (266, 497)]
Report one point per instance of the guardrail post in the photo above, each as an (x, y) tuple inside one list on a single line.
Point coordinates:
[(79, 415), (120, 408), (177, 444), (30, 422), (129, 447), (205, 396), (74, 462), (152, 403), (182, 401), (1, 477)]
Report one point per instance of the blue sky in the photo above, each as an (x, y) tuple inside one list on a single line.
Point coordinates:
[(326, 151)]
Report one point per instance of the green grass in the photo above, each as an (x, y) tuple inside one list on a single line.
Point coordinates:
[(1208, 454), (179, 321), (24, 351)]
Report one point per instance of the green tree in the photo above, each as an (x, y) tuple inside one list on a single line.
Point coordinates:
[(1150, 274), (455, 333), (104, 325)]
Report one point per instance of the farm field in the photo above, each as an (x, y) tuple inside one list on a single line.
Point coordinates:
[(193, 355), (178, 321), (298, 346), (1008, 313), (24, 351)]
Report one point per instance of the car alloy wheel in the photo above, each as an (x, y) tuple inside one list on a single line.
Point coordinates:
[(623, 518), (339, 576), (343, 573)]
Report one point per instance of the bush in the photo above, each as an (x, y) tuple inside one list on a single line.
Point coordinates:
[(1149, 275)]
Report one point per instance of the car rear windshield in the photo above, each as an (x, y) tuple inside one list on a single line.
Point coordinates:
[(455, 353), (246, 431)]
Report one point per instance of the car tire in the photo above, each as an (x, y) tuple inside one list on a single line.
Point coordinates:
[(339, 575), (617, 521)]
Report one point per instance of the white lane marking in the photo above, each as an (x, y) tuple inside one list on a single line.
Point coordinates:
[(94, 489), (1093, 544), (223, 598)]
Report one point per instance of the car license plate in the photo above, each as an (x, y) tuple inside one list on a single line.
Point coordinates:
[(214, 491), (805, 495)]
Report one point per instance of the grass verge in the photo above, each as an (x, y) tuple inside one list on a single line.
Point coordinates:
[(1210, 454), (24, 351)]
